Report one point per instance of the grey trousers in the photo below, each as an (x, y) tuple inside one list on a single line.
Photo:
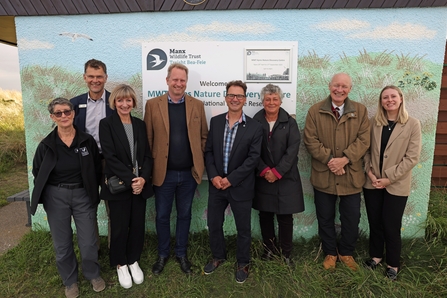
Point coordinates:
[(61, 205)]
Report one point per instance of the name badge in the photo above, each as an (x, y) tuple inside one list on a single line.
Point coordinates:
[(83, 106)]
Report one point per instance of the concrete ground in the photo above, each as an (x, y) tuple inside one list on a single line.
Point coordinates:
[(13, 218)]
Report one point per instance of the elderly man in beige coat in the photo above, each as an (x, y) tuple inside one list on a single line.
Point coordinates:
[(177, 131), (336, 134)]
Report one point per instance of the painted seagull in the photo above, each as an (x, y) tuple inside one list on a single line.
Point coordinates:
[(157, 60), (74, 36)]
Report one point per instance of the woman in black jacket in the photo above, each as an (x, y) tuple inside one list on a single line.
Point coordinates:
[(278, 184), (67, 169), (127, 156)]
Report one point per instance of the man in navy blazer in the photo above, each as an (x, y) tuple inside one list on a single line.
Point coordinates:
[(232, 153), (93, 106)]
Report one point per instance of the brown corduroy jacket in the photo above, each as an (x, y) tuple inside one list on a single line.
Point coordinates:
[(325, 137)]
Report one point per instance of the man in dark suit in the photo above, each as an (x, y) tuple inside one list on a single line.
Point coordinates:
[(93, 106), (232, 152)]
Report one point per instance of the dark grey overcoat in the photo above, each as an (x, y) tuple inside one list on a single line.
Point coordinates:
[(280, 153)]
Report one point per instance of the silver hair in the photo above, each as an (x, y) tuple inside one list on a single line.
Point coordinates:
[(271, 89), (59, 101), (342, 73)]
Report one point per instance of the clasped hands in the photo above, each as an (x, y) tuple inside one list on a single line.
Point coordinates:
[(380, 183), (337, 164), (270, 177), (221, 183), (137, 185)]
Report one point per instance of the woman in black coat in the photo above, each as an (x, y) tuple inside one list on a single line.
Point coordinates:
[(278, 184), (119, 133)]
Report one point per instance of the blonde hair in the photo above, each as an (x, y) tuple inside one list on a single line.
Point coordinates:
[(381, 115), (179, 66), (122, 91)]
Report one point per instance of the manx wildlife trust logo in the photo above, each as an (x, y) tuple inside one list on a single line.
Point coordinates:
[(156, 59)]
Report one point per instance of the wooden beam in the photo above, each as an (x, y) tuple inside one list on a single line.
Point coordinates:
[(440, 150)]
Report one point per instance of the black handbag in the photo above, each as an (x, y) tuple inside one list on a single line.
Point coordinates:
[(115, 184)]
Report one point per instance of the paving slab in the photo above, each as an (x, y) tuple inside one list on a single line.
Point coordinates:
[(13, 220)]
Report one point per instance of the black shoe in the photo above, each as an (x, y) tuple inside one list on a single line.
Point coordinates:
[(391, 274), (212, 265), (158, 266), (185, 264), (242, 273), (370, 264)]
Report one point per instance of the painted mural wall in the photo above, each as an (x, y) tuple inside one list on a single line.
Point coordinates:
[(377, 47)]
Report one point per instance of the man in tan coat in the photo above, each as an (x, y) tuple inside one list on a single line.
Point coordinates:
[(337, 136), (177, 130)]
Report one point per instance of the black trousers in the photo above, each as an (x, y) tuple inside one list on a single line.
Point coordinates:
[(127, 218), (285, 232), (217, 203), (349, 208), (385, 213)]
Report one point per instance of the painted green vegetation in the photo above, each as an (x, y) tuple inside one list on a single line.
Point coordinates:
[(370, 73)]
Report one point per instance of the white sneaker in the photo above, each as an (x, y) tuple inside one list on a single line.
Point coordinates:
[(124, 276), (137, 273)]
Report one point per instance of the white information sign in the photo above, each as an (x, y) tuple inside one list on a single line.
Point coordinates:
[(213, 64)]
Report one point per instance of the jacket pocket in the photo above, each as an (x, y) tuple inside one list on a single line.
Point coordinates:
[(357, 174), (320, 175)]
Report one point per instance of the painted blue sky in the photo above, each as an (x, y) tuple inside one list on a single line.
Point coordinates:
[(116, 38)]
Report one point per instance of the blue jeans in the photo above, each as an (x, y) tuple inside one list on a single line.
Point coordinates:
[(182, 186)]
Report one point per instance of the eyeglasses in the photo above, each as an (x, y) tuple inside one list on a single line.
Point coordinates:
[(238, 96), (59, 114)]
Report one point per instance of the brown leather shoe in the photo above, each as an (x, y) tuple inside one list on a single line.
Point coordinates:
[(329, 262), (349, 261), (72, 291), (98, 284)]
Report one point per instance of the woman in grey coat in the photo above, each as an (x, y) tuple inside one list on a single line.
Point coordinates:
[(278, 184)]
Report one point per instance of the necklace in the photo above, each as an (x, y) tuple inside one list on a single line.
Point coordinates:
[(390, 127)]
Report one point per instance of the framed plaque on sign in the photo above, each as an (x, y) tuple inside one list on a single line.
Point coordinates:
[(267, 65)]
